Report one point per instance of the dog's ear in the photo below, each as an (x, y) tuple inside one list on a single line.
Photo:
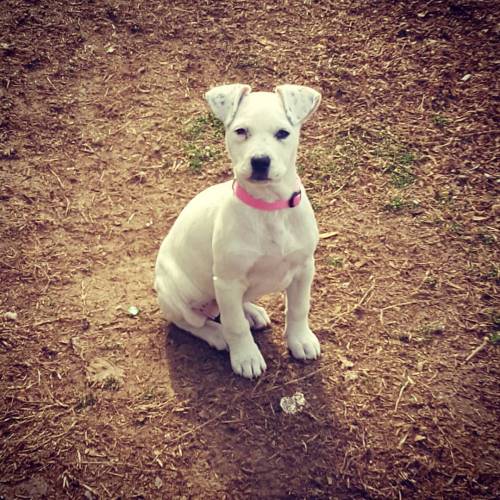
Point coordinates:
[(299, 102), (224, 100)]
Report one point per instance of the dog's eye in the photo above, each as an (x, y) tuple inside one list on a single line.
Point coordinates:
[(242, 132), (281, 134)]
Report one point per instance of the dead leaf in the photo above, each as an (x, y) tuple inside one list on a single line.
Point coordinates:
[(77, 346), (360, 263), (350, 376), (346, 364), (101, 371), (402, 441)]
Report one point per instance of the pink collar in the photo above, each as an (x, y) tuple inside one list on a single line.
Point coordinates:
[(267, 206)]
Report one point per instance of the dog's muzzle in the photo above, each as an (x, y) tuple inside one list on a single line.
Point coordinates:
[(260, 168)]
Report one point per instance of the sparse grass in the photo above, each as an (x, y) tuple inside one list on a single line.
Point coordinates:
[(432, 328), (423, 333), (487, 239), (495, 338), (495, 321), (395, 204), (399, 204), (200, 132), (111, 384), (405, 158), (398, 162), (113, 345), (493, 272), (457, 228), (400, 169), (334, 165), (431, 282), (85, 401), (248, 60), (203, 124), (336, 261), (198, 155), (401, 176), (440, 121), (444, 197), (153, 394)]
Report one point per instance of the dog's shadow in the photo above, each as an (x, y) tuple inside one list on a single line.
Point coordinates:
[(250, 445)]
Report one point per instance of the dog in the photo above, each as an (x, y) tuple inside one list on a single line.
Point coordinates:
[(254, 235)]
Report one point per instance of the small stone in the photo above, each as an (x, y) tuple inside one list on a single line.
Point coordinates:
[(133, 311), (293, 404), (158, 483), (10, 315)]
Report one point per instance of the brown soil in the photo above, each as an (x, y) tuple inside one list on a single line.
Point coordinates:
[(104, 136)]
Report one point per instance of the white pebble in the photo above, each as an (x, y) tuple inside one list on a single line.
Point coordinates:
[(10, 315)]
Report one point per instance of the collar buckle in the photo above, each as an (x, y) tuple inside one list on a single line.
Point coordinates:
[(295, 199)]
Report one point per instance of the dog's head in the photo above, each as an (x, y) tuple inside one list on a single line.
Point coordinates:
[(262, 128)]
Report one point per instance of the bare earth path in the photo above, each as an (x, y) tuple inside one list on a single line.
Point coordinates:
[(104, 136)]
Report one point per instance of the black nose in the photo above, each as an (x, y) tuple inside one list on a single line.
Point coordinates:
[(260, 167)]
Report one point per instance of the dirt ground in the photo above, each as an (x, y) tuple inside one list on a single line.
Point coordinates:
[(104, 136)]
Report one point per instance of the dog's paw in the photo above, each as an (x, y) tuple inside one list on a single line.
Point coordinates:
[(256, 316), (304, 345), (246, 359), (218, 342)]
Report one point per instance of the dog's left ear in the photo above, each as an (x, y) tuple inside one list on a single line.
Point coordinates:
[(225, 99), (299, 102)]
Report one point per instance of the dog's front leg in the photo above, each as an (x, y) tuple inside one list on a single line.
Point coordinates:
[(246, 358), (302, 342)]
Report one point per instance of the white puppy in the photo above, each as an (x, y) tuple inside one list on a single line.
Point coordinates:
[(245, 238)]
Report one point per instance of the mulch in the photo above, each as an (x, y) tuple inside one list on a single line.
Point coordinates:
[(104, 136)]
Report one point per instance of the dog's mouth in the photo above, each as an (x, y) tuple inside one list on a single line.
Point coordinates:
[(257, 178)]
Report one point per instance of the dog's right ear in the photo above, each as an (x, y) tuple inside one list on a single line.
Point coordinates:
[(224, 100)]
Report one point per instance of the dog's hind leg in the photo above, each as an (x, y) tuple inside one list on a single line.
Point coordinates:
[(210, 332), (256, 316)]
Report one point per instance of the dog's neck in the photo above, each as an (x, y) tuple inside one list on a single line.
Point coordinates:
[(271, 192)]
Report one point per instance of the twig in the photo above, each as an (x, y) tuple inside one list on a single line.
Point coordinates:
[(57, 177), (337, 191), (193, 430), (47, 321), (365, 295), (407, 382), (401, 304), (394, 306), (330, 234), (478, 349), (298, 379)]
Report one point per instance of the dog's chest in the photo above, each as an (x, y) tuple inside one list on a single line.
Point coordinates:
[(282, 251)]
